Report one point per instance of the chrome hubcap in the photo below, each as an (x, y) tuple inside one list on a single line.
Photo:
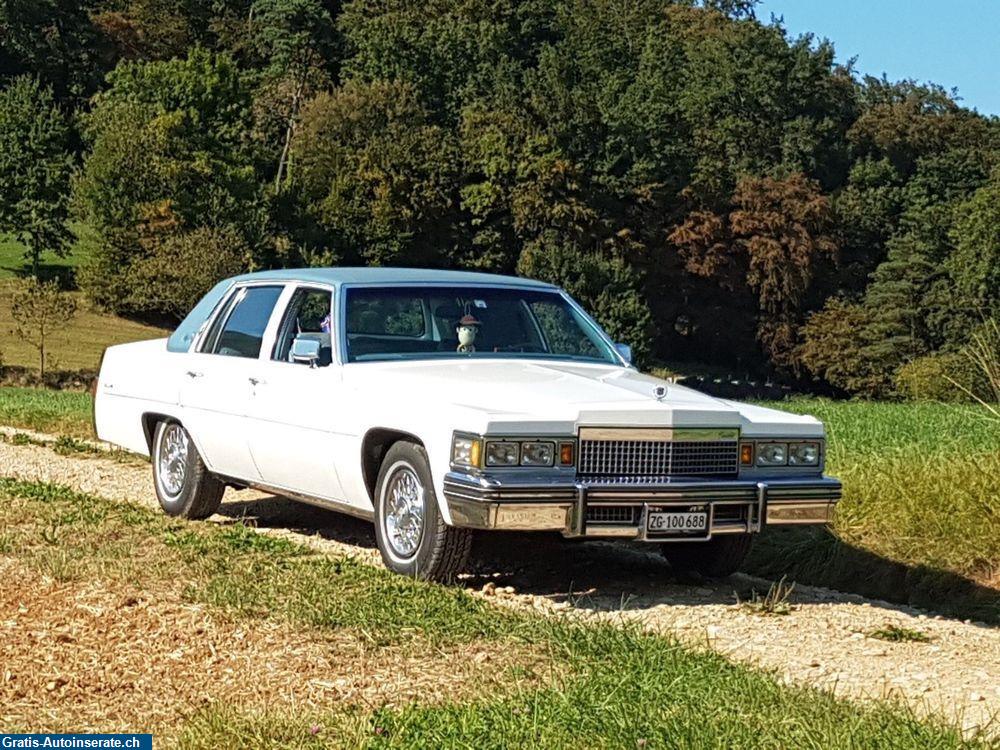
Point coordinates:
[(172, 459), (404, 511)]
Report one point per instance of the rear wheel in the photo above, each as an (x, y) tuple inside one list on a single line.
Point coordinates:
[(718, 557), (184, 486), (413, 538)]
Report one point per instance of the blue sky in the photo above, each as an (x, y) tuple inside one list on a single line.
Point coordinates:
[(955, 44)]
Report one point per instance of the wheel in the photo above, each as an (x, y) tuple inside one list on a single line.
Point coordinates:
[(413, 538), (718, 557), (184, 486)]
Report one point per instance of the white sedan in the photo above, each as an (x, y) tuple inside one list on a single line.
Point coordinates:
[(438, 402)]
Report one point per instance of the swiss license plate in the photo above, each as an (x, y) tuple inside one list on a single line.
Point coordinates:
[(666, 522)]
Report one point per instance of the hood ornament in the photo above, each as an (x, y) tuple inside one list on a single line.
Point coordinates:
[(659, 392)]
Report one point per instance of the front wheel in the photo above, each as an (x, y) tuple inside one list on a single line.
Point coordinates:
[(413, 538), (717, 558), (184, 486)]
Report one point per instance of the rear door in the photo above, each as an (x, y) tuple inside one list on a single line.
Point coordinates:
[(216, 387), (295, 424)]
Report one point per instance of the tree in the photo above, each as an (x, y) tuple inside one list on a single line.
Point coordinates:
[(169, 155), (298, 49), (38, 308), (378, 176), (772, 241), (35, 168), (975, 262)]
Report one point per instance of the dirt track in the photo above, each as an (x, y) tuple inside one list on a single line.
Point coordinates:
[(823, 641)]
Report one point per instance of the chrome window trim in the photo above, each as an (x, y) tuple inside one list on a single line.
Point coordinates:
[(294, 287), (224, 308)]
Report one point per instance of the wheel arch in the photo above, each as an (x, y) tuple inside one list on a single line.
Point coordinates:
[(374, 446)]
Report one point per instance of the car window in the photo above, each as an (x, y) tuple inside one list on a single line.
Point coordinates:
[(242, 332), (476, 321), (400, 315), (308, 315)]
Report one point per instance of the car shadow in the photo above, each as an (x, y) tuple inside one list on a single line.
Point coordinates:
[(612, 576)]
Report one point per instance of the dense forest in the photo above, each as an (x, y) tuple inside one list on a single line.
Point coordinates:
[(712, 188)]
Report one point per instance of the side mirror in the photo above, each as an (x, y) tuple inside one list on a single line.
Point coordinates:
[(305, 351), (625, 352)]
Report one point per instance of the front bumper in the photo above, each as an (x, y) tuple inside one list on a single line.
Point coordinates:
[(619, 509)]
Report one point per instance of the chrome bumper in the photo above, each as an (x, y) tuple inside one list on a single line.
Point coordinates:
[(619, 510)]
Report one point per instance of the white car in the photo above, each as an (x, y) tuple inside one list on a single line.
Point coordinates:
[(438, 402)]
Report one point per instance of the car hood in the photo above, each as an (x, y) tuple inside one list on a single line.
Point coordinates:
[(516, 393)]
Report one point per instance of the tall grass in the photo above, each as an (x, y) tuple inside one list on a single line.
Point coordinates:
[(920, 518)]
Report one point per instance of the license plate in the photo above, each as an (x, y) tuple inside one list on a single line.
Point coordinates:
[(664, 522)]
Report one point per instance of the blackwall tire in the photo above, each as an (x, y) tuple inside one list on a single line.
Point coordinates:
[(184, 486), (412, 536)]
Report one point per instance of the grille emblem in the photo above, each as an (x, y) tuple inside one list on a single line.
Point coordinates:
[(660, 392)]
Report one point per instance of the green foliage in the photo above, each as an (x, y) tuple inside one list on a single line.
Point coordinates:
[(378, 175), (183, 266), (711, 187), (37, 308), (975, 263), (35, 166), (168, 157), (934, 378)]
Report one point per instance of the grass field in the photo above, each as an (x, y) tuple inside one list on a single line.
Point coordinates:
[(76, 346), (319, 652), (920, 517), (79, 344), (13, 264)]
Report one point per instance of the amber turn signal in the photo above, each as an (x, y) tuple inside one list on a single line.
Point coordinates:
[(566, 454), (746, 454)]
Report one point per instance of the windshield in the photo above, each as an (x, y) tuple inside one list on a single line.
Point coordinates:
[(476, 322)]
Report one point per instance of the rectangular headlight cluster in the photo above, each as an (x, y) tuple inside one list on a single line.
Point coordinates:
[(475, 453), (782, 454)]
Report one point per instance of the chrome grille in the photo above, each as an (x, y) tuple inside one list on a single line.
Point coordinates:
[(623, 458), (612, 514)]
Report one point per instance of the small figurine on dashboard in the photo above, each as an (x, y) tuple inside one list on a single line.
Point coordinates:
[(467, 329)]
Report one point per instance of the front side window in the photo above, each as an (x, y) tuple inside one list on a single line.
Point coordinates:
[(479, 322), (239, 329), (308, 316)]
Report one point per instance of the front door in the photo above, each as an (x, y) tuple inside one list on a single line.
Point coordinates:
[(294, 408), (216, 388)]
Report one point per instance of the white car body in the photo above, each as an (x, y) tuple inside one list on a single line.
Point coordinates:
[(315, 433)]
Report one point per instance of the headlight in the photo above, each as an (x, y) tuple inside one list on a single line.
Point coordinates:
[(803, 454), (501, 454), (466, 451), (537, 454), (772, 454)]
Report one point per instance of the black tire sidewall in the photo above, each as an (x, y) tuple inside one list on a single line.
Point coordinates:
[(417, 565)]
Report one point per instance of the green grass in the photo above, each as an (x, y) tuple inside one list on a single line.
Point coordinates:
[(13, 263), (898, 634), (920, 518), (77, 345), (607, 686), (59, 412)]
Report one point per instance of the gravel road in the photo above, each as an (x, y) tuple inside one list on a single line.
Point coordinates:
[(823, 641)]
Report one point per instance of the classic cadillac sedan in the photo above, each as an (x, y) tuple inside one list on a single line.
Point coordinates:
[(434, 403)]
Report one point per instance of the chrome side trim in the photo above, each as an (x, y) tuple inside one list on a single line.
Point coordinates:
[(319, 502)]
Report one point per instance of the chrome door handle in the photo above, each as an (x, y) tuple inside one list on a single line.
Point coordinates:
[(193, 374)]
